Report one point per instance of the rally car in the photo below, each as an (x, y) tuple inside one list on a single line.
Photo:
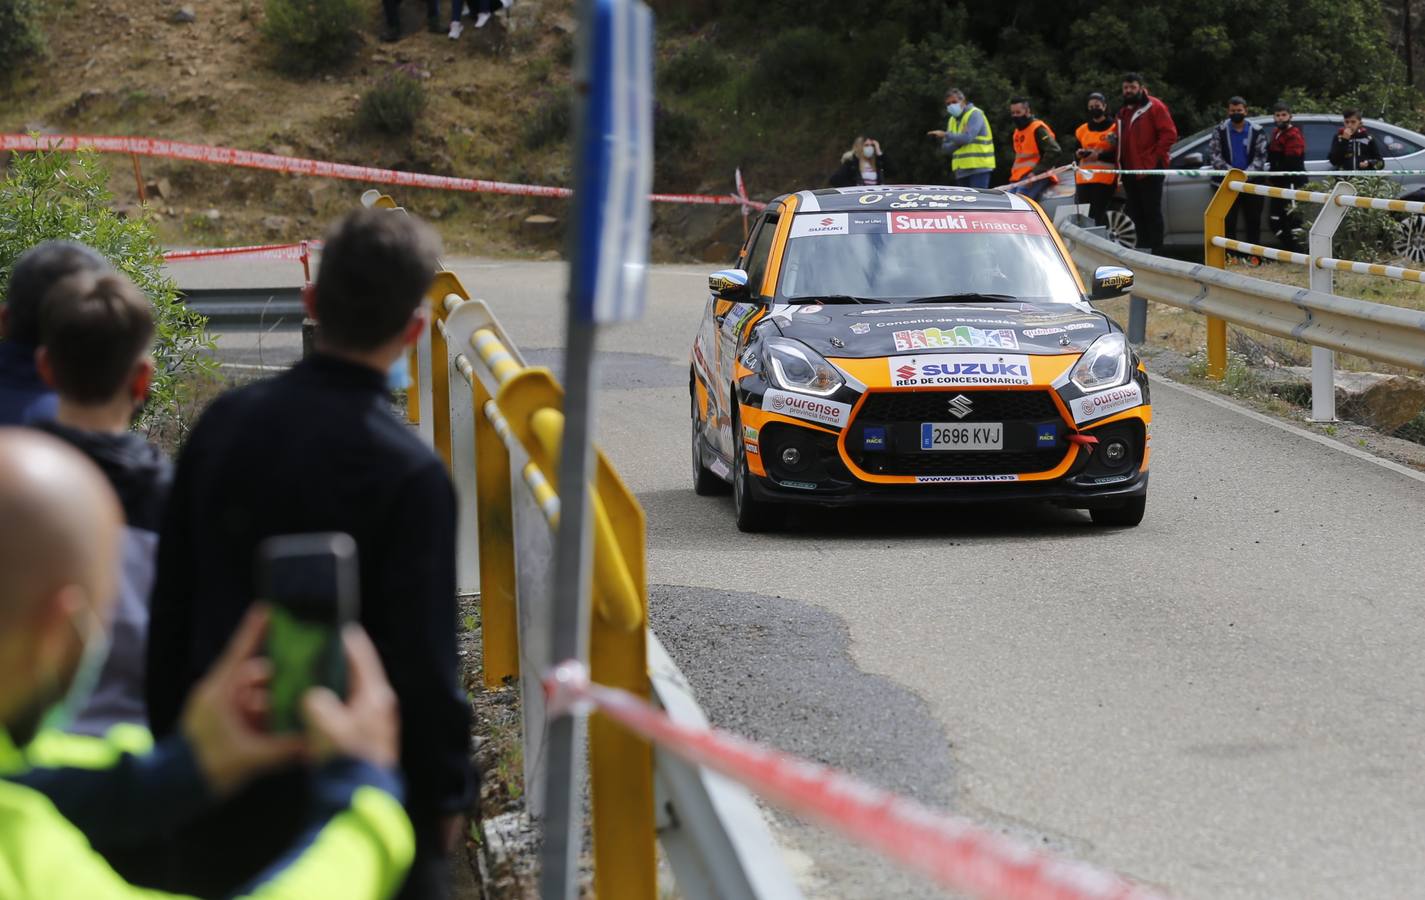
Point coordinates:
[(915, 344)]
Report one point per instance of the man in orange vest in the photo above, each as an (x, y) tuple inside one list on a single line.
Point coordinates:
[(1095, 182), (1035, 150)]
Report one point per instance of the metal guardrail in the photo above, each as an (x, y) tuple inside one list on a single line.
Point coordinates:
[(1389, 334), (281, 307), (498, 422)]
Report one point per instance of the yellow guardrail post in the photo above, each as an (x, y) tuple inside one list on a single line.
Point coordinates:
[(620, 763), (1214, 224), (445, 283), (499, 622)]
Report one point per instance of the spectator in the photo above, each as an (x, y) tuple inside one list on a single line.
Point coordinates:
[(24, 398), (392, 10), (1286, 152), (481, 9), (968, 141), (1145, 135), (1239, 144), (318, 448), (1354, 148), (1098, 145), (59, 550), (1035, 150), (864, 163), (96, 330)]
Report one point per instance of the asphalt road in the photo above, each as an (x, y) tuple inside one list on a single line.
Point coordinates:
[(1226, 701)]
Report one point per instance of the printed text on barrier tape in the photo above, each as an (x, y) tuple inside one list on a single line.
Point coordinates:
[(292, 165), (1260, 173), (266, 251), (952, 851)]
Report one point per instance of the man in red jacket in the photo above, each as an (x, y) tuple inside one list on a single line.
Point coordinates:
[(1145, 135)]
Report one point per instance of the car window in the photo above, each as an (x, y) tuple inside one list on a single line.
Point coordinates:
[(1392, 145), (1185, 149), (1319, 136), (927, 253), (761, 250)]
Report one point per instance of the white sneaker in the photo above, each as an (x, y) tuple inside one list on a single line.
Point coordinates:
[(455, 29), (481, 19)]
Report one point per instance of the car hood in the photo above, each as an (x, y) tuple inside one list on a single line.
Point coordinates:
[(857, 331)]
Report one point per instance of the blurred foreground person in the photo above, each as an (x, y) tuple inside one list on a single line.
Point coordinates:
[(319, 448), (24, 398), (59, 550)]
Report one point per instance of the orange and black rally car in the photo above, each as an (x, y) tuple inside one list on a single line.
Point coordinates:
[(915, 344)]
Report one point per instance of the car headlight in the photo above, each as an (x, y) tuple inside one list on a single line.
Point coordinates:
[(793, 366), (1103, 365)]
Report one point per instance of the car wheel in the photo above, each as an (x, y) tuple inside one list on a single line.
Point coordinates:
[(753, 515), (705, 481), (1410, 239), (1121, 229), (1126, 516)]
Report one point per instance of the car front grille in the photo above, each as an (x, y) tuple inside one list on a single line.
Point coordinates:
[(899, 416)]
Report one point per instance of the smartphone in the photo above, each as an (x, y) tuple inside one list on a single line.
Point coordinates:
[(311, 583)]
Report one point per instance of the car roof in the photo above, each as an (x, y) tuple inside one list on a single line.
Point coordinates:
[(909, 196)]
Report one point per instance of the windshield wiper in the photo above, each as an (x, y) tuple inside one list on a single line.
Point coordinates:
[(841, 298), (971, 296)]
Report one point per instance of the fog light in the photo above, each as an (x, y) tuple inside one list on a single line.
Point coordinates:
[(1114, 452), (791, 456)]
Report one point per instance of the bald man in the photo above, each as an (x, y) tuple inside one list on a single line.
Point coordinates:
[(59, 546)]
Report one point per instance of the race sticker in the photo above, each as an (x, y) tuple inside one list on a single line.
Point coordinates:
[(1058, 329), (959, 336), (815, 225), (976, 222), (958, 369), (961, 479), (813, 409), (1104, 403)]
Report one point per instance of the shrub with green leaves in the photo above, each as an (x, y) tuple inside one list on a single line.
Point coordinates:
[(311, 35), (20, 35), (394, 104), (1365, 235), (48, 196)]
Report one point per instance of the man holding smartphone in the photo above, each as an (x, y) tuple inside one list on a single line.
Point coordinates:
[(317, 449), (59, 551)]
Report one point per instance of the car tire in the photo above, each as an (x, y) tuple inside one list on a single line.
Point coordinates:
[(1121, 229), (705, 481), (753, 515), (1128, 515)]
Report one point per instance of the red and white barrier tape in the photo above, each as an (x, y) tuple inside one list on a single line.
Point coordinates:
[(954, 852), (295, 251), (272, 162)]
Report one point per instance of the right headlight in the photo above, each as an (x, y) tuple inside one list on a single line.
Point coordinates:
[(1103, 365), (793, 366)]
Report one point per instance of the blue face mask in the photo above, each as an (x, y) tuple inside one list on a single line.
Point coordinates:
[(398, 377), (86, 675), (954, 109)]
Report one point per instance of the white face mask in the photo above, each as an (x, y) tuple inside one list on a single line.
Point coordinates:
[(868, 151), (953, 108), (86, 675)]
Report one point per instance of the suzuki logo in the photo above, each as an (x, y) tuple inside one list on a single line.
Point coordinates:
[(906, 372), (828, 221), (960, 406)]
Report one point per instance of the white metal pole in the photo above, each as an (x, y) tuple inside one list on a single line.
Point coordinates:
[(1323, 361)]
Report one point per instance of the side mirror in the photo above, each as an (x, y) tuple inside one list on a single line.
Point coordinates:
[(729, 284), (1110, 282), (1190, 161)]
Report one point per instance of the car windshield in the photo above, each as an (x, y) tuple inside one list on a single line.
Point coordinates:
[(925, 253)]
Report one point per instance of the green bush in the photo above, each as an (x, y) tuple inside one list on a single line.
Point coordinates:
[(673, 132), (698, 65), (551, 122), (394, 104), (799, 64), (56, 195), (1365, 235), (310, 35), (20, 35)]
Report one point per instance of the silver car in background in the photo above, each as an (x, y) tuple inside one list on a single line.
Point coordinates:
[(1185, 196)]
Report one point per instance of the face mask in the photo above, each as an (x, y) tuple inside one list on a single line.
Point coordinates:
[(398, 377), (1238, 118), (86, 675), (868, 151), (1021, 121), (1096, 112), (953, 109)]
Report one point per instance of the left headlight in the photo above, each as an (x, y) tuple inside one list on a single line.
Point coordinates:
[(793, 366), (1103, 365)]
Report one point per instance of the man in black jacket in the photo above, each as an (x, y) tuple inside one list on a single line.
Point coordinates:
[(318, 449), (1355, 149)]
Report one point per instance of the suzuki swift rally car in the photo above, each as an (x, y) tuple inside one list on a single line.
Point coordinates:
[(918, 344)]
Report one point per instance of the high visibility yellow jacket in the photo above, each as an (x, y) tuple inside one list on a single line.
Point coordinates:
[(63, 789), (979, 153)]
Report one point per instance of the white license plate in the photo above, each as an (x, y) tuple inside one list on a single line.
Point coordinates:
[(957, 436)]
